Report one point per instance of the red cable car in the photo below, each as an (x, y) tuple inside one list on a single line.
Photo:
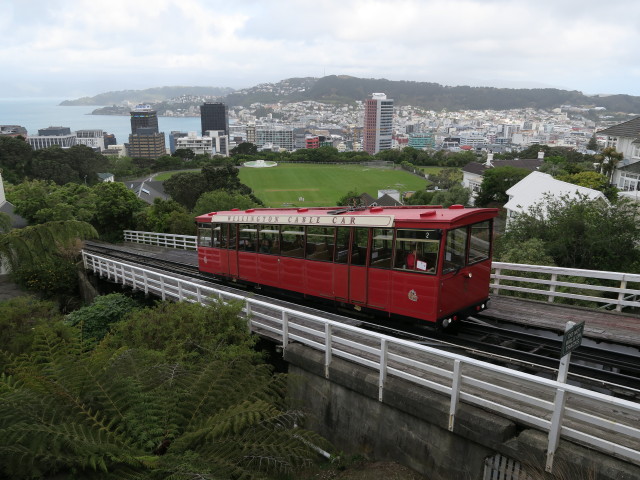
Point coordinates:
[(424, 262)]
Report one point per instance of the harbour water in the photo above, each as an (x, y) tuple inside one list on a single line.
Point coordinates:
[(37, 113)]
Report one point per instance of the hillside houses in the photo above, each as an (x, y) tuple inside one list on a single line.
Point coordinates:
[(625, 138)]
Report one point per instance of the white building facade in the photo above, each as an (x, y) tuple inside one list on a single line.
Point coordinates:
[(625, 138), (91, 138)]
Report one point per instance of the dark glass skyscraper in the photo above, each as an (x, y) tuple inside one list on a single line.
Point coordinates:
[(145, 141), (214, 116), (143, 117)]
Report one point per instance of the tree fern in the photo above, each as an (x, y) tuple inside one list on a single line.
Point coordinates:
[(122, 412)]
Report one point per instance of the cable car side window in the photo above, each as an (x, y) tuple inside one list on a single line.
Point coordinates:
[(248, 237), (455, 250), (343, 237), (204, 234), (217, 235), (231, 245), (359, 246), (269, 239), (224, 233), (480, 241), (292, 241), (417, 250), (381, 248), (320, 243)]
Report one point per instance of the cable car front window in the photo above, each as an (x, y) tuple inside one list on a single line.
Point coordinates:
[(480, 242), (204, 234), (455, 250)]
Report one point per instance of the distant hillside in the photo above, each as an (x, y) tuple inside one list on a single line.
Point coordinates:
[(149, 95), (345, 89)]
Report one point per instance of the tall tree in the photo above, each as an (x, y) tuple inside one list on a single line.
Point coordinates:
[(219, 200), (496, 182), (580, 233), (15, 158), (185, 188), (116, 207), (244, 148)]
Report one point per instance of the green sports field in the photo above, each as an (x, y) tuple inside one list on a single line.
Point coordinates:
[(323, 185)]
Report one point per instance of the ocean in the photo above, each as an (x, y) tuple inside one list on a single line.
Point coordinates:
[(37, 113)]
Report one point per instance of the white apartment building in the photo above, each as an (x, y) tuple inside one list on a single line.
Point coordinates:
[(91, 138), (473, 139), (219, 142), (281, 136), (213, 142), (197, 144)]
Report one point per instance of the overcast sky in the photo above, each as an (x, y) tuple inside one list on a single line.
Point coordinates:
[(72, 48)]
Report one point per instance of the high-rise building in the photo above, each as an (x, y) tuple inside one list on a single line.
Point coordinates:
[(143, 116), (378, 123), (214, 116), (145, 140)]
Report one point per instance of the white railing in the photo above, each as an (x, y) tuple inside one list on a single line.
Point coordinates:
[(608, 289), (184, 242), (598, 421)]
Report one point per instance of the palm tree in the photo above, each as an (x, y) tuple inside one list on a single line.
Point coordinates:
[(608, 160)]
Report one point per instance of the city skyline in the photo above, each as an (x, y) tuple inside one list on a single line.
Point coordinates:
[(80, 48)]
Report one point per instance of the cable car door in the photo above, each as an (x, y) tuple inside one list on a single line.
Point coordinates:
[(357, 265)]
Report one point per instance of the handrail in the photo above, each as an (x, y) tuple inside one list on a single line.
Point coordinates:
[(607, 289), (582, 417), (169, 240)]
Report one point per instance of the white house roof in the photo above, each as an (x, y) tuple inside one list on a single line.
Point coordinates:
[(533, 188)]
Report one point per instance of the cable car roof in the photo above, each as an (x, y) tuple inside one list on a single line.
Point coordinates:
[(344, 216)]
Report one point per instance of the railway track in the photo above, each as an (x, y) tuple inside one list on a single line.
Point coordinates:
[(595, 367)]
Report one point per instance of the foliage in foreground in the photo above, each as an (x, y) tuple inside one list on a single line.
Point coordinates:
[(94, 321), (136, 412), (19, 317)]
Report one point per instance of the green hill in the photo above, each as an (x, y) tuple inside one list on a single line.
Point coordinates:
[(149, 95), (346, 89), (343, 89)]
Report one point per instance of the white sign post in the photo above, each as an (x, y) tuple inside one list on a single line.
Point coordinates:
[(571, 340)]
